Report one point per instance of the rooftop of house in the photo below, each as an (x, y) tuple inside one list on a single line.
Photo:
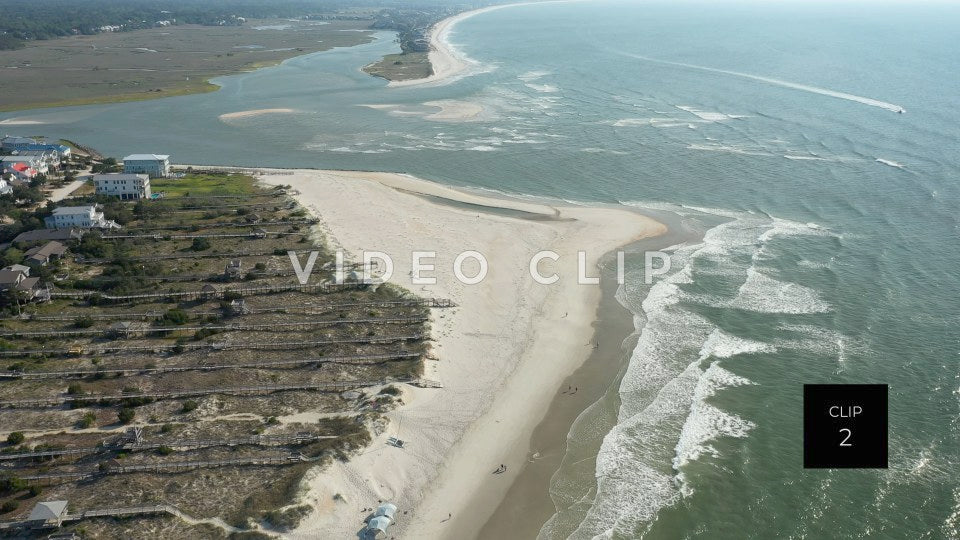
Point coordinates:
[(10, 139), (48, 249), (47, 234), (49, 510), (18, 268), (146, 157), (10, 277), (120, 176), (18, 159), (73, 210)]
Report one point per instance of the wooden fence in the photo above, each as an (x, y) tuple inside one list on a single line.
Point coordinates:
[(84, 399), (358, 359), (271, 327), (279, 346)]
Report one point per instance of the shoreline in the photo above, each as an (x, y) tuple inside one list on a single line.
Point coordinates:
[(502, 353), (446, 61), (528, 503)]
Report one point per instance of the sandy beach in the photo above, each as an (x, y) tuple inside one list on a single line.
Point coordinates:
[(500, 355), (445, 60)]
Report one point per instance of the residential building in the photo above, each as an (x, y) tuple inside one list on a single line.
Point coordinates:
[(153, 165), (84, 217), (5, 187), (42, 235), (50, 157), (63, 151), (19, 268), (11, 143), (123, 185), (50, 251), (27, 165), (19, 281)]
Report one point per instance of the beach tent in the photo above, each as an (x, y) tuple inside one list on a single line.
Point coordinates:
[(377, 527), (387, 510)]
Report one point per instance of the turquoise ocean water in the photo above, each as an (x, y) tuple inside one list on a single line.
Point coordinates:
[(829, 225)]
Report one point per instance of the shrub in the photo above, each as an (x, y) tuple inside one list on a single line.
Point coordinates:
[(176, 316), (9, 506), (12, 484), (16, 437), (83, 322), (126, 415), (35, 490), (188, 406), (87, 420), (200, 244), (164, 450), (391, 391), (75, 389)]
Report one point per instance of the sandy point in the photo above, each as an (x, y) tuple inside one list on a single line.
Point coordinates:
[(500, 354), (255, 112)]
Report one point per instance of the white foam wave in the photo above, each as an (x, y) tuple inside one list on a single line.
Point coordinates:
[(707, 422), (544, 88), (709, 116), (533, 75), (723, 345), (765, 294)]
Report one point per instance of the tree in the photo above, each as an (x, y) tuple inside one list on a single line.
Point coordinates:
[(126, 415), (16, 437), (176, 316), (200, 244)]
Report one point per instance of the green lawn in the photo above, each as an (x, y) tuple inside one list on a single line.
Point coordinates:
[(202, 184)]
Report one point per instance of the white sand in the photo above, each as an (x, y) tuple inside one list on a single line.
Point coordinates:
[(445, 59), (20, 121), (255, 112), (503, 353), (451, 109)]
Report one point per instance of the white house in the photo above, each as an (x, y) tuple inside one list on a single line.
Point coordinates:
[(84, 217), (5, 187), (123, 185), (9, 164), (153, 165)]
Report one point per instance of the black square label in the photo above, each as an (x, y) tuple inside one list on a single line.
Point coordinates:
[(844, 426)]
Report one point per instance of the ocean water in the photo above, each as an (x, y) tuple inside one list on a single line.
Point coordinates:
[(829, 227)]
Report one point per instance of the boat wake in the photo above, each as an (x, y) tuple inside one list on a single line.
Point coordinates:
[(778, 82)]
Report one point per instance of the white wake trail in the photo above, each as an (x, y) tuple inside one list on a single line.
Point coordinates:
[(786, 84)]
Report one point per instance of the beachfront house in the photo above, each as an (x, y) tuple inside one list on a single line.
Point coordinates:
[(29, 165), (24, 269), (83, 217), (48, 157), (41, 255), (123, 185), (62, 151), (153, 165), (44, 235), (11, 143), (19, 281)]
